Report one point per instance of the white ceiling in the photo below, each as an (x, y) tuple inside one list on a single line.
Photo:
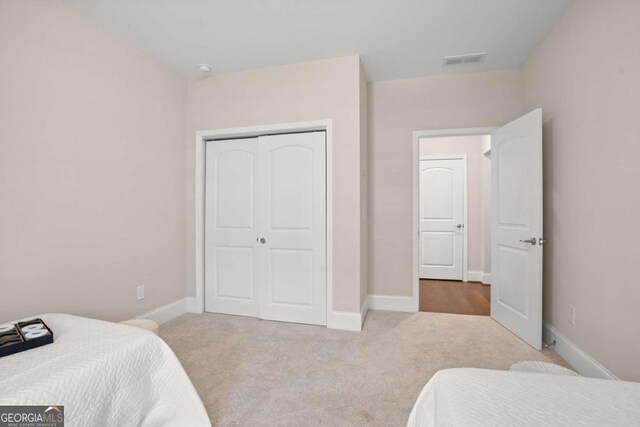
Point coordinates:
[(395, 38)]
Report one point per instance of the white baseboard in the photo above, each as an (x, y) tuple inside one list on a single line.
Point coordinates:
[(391, 303), (167, 312), (192, 305), (345, 320), (474, 276), (574, 355), (479, 276)]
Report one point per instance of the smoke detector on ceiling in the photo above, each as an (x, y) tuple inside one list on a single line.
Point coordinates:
[(471, 58)]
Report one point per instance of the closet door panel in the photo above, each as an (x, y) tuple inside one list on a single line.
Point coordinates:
[(231, 227), (292, 222)]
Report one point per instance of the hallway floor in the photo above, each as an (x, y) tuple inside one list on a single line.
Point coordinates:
[(451, 296)]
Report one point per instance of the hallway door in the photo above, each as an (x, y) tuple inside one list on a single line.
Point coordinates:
[(441, 184)]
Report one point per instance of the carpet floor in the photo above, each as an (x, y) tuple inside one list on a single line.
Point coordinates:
[(252, 372)]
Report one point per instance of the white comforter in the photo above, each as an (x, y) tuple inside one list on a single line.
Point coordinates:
[(480, 397), (105, 374)]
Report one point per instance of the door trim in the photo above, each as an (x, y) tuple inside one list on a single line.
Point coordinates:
[(416, 194), (253, 131), (465, 218)]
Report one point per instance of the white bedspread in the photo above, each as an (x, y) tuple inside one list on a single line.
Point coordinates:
[(105, 374), (479, 397)]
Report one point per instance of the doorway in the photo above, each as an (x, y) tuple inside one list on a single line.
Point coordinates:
[(454, 184), (515, 231)]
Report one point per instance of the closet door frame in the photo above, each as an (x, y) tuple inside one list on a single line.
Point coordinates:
[(196, 305)]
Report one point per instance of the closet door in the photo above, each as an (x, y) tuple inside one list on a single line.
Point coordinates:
[(231, 258), (292, 228)]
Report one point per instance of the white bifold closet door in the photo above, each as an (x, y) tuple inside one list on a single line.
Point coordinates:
[(265, 225), (292, 220), (231, 228)]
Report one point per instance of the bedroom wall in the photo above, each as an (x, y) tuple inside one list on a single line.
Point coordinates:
[(91, 169), (584, 75), (318, 90), (364, 189), (396, 109), (477, 195)]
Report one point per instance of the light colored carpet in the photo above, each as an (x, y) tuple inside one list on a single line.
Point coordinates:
[(252, 372)]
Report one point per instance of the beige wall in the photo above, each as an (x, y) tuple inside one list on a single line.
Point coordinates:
[(586, 78), (327, 89), (396, 109), (477, 195), (364, 190), (91, 169)]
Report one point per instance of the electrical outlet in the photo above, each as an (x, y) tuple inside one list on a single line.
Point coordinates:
[(572, 315), (140, 292)]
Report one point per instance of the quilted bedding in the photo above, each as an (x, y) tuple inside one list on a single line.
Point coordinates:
[(481, 397), (105, 374)]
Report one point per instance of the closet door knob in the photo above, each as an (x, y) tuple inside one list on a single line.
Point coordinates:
[(263, 240)]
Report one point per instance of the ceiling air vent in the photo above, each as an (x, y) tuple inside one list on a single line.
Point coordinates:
[(472, 58)]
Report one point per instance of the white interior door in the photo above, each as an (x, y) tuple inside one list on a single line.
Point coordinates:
[(292, 199), (516, 253), (441, 218), (231, 227)]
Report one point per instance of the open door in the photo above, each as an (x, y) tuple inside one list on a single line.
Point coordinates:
[(516, 227)]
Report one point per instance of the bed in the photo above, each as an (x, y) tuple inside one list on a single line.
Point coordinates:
[(481, 397), (104, 374)]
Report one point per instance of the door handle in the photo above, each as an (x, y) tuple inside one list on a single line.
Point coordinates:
[(459, 226), (531, 241), (261, 240)]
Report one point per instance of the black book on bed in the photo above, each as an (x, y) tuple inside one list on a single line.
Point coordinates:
[(22, 336)]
